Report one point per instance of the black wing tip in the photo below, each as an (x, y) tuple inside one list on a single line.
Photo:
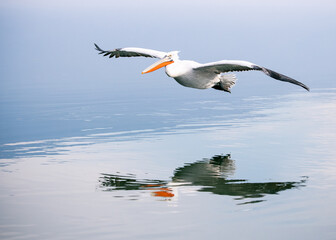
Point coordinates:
[(98, 48), (106, 53), (283, 78), (101, 51), (305, 87)]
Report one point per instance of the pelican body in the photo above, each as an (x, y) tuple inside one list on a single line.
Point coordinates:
[(192, 74)]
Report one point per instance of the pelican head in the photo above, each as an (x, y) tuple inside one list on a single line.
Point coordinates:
[(166, 60)]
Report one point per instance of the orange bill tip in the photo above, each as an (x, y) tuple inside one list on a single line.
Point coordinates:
[(156, 67)]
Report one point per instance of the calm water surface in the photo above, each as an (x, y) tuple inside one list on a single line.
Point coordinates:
[(92, 149), (165, 168)]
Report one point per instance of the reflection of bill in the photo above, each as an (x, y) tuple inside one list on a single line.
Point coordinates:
[(159, 190), (209, 175), (163, 192)]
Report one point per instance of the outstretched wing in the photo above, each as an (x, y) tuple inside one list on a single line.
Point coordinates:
[(237, 66), (131, 52)]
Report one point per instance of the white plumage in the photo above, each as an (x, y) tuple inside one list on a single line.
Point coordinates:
[(196, 75)]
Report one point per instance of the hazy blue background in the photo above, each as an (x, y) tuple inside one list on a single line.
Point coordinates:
[(47, 52), (84, 139)]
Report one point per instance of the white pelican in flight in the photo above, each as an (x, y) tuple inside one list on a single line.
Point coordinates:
[(193, 74)]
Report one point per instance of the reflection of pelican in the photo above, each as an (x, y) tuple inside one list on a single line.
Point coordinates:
[(211, 175), (193, 74)]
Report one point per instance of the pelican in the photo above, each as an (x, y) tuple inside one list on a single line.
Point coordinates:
[(192, 74)]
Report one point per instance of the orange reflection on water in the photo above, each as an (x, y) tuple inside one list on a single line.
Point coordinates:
[(159, 191), (164, 192)]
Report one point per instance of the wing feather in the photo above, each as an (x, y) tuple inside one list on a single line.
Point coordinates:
[(237, 66), (226, 66), (131, 52)]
